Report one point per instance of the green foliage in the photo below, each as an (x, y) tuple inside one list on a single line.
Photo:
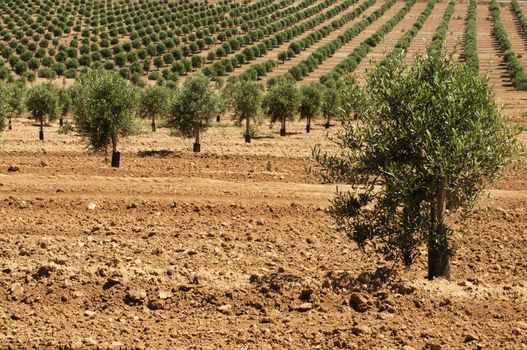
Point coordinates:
[(514, 66), (17, 98), (104, 106), (430, 129), (155, 101), (6, 109), (352, 61), (441, 30), (471, 48), (282, 99), (331, 103), (518, 12), (65, 101), (244, 98), (194, 107), (404, 41), (66, 129), (311, 101), (352, 98), (43, 102), (327, 50)]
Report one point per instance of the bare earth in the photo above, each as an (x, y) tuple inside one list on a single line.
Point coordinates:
[(231, 249)]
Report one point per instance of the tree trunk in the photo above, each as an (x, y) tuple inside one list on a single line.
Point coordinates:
[(247, 130), (438, 252), (197, 145), (328, 119), (154, 123), (41, 132), (308, 125), (10, 125), (61, 121), (282, 128), (116, 156), (218, 118)]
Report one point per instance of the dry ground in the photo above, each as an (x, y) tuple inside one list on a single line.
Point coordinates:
[(231, 249)]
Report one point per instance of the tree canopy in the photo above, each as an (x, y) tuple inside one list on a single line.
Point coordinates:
[(431, 137), (194, 107), (104, 106)]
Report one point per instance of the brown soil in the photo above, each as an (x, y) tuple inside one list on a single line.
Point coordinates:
[(233, 248), (230, 249)]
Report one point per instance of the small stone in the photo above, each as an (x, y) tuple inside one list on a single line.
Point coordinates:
[(91, 206), (116, 345), (89, 341), (110, 282), (131, 206), (470, 337), (42, 164), (445, 302), (164, 295), (89, 313), (13, 169), (431, 346), (360, 330), (304, 307), (135, 296), (42, 272), (225, 309), (16, 290), (359, 302), (157, 304)]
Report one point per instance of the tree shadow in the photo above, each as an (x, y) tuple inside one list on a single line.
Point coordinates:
[(157, 153), (372, 282)]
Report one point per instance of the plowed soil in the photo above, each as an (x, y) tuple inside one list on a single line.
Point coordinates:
[(231, 249)]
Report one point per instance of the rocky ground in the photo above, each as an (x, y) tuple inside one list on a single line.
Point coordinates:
[(231, 249)]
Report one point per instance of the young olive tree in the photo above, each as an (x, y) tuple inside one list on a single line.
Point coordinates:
[(351, 97), (155, 102), (65, 101), (17, 100), (330, 104), (282, 101), (194, 107), (5, 107), (245, 99), (310, 103), (104, 106), (431, 139), (43, 102)]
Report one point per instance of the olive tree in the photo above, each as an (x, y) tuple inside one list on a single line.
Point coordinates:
[(431, 139), (104, 106), (43, 102), (5, 107), (155, 102), (17, 100), (310, 103), (351, 97), (65, 101), (194, 107), (245, 99), (282, 101), (330, 104)]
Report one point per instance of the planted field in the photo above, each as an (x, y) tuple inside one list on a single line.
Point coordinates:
[(232, 247), (152, 41)]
